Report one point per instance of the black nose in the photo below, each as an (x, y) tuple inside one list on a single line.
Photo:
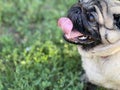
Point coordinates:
[(74, 14)]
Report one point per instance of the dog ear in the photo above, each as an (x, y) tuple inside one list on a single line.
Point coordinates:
[(115, 9)]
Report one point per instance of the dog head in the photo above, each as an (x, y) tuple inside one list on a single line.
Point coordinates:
[(90, 23)]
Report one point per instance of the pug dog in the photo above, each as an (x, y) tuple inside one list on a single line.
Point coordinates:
[(94, 26)]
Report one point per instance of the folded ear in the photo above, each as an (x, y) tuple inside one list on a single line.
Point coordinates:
[(115, 8)]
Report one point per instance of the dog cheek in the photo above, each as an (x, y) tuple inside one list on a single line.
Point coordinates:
[(103, 35), (109, 36), (113, 36)]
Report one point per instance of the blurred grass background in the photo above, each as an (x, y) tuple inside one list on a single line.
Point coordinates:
[(33, 54)]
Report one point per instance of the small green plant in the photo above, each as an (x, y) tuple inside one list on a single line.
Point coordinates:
[(33, 55)]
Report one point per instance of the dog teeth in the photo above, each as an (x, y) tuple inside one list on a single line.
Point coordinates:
[(83, 38), (76, 41)]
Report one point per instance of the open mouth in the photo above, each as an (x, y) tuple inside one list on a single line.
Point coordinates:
[(71, 35), (82, 39)]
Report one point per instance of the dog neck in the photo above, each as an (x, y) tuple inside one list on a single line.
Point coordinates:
[(104, 51)]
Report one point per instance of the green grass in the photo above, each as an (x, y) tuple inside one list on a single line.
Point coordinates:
[(33, 54)]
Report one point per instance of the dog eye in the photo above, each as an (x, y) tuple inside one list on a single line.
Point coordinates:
[(91, 18)]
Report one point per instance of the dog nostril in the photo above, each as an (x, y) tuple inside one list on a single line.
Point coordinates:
[(77, 12)]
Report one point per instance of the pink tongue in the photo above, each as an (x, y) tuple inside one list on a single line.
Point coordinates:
[(66, 25)]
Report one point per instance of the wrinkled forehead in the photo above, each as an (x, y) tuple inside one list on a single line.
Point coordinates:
[(89, 3), (85, 1)]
